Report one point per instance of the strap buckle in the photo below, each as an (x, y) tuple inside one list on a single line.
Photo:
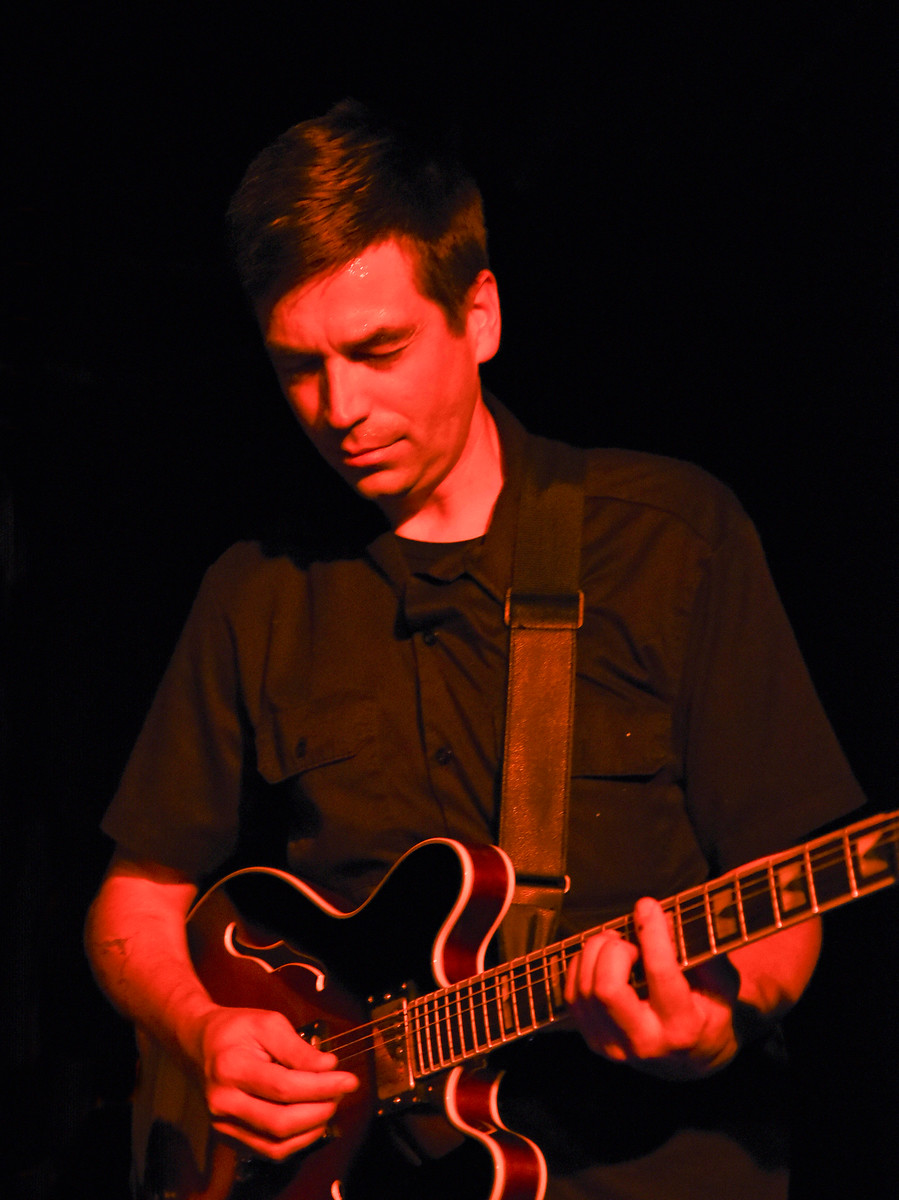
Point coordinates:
[(544, 610)]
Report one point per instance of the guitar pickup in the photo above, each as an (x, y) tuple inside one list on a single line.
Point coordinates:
[(390, 1034), (313, 1033)]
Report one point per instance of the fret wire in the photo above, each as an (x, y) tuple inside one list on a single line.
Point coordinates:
[(462, 1001), (438, 1025), (457, 1023), (426, 1032), (562, 975), (850, 866), (741, 916), (452, 1017), (433, 1035), (419, 1038), (709, 921), (496, 998), (478, 1006), (529, 984), (547, 984), (484, 1004), (464, 992), (485, 1009), (555, 970), (445, 1029), (513, 1002), (679, 932), (449, 1025), (510, 977), (485, 1012), (813, 895), (540, 987), (437, 1004), (473, 1018), (429, 1047), (500, 1006), (439, 1031), (772, 888)]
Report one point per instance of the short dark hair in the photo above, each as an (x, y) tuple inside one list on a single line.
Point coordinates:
[(332, 186)]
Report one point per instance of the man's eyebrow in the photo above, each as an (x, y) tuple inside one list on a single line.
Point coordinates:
[(384, 335), (288, 353)]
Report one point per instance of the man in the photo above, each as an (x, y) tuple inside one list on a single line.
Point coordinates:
[(328, 712)]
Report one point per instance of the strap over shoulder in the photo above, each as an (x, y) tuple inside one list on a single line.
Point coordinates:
[(544, 609)]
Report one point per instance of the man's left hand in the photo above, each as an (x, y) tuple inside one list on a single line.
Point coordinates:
[(683, 1028)]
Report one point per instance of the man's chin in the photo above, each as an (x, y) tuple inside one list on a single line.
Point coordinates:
[(377, 485)]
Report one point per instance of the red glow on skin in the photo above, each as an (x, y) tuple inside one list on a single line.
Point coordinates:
[(389, 395)]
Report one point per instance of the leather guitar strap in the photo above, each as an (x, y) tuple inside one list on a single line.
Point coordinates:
[(544, 610)]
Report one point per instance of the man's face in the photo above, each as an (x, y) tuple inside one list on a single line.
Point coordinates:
[(383, 388)]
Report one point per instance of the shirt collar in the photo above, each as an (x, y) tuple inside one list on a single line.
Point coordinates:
[(490, 561)]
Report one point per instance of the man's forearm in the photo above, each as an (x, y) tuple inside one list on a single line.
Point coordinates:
[(263, 1084), (774, 972), (136, 942)]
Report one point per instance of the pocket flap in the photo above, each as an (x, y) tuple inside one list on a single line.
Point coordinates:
[(300, 738)]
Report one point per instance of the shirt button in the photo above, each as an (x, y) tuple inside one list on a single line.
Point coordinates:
[(429, 637), (444, 755)]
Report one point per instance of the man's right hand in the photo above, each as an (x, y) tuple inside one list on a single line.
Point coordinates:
[(264, 1085)]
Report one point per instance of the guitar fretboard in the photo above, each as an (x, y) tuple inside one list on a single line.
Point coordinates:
[(461, 1022)]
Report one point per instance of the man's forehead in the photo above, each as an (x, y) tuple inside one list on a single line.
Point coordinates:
[(376, 288), (382, 262)]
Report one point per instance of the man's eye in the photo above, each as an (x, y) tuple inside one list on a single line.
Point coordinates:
[(380, 359), (297, 370)]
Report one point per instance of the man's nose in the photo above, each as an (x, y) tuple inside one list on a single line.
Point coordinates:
[(343, 396)]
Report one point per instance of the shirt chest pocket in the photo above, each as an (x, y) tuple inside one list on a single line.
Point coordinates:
[(626, 745), (341, 728), (629, 832)]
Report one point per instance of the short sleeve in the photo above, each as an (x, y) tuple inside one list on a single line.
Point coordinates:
[(178, 801), (763, 768)]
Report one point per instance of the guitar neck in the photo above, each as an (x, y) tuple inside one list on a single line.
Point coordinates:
[(464, 1021)]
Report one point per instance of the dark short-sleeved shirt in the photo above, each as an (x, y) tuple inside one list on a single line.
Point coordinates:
[(328, 713)]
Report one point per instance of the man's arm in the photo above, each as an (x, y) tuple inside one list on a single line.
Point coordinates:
[(263, 1083), (688, 1025)]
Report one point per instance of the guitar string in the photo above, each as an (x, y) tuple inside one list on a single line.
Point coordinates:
[(448, 1026), (756, 883), (529, 973), (454, 1012)]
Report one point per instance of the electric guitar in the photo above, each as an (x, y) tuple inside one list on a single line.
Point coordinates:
[(398, 991)]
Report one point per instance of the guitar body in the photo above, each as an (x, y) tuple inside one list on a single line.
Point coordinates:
[(261, 938), (398, 991)]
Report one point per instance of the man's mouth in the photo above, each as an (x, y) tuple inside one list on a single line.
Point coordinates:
[(362, 456)]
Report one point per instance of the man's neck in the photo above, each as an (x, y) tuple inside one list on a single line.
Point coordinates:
[(461, 506)]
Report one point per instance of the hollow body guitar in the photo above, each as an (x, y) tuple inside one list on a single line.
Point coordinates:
[(398, 991)]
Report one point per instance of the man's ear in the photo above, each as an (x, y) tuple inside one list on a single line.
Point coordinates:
[(484, 321)]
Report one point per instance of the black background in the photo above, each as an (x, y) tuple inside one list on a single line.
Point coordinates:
[(692, 214)]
